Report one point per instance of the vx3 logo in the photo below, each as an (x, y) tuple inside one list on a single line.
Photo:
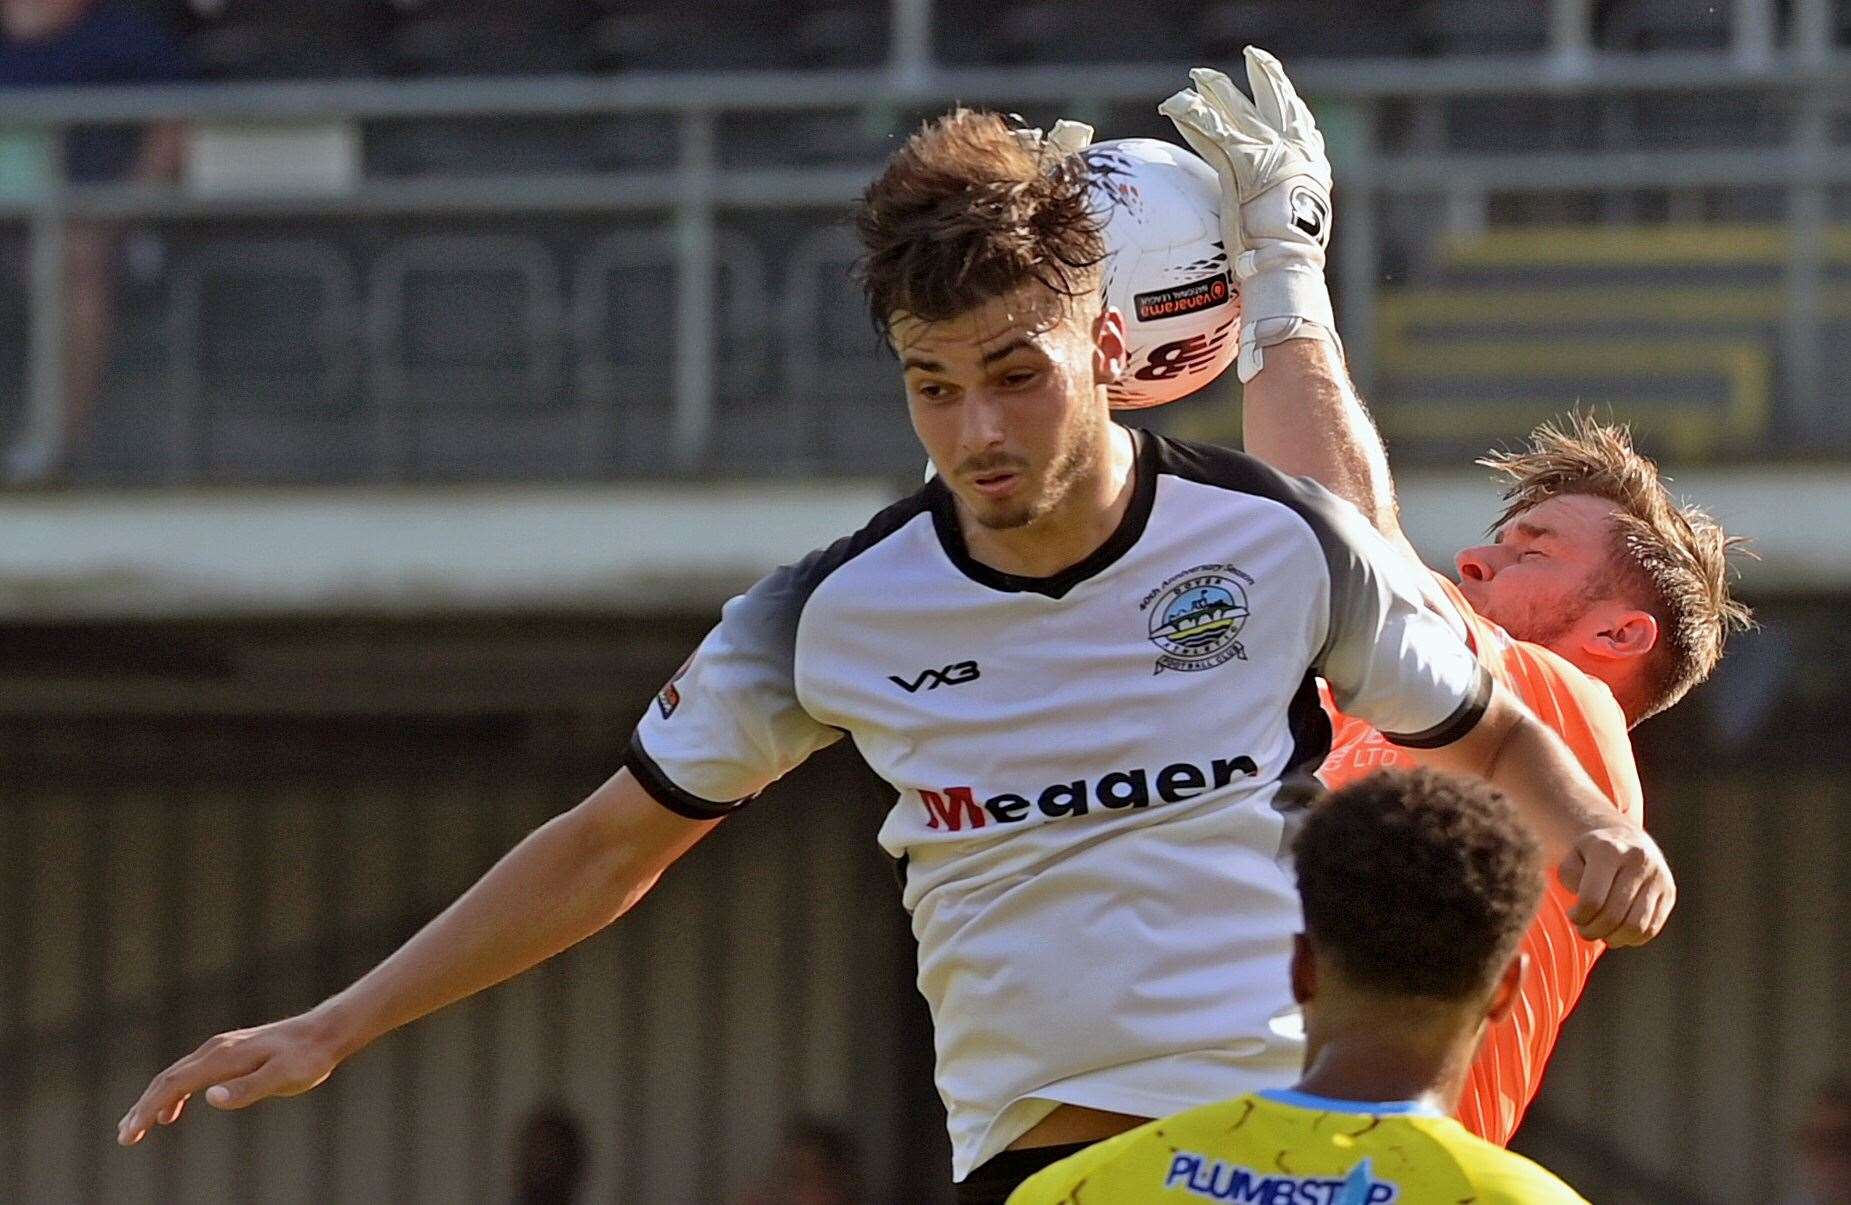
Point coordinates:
[(932, 679)]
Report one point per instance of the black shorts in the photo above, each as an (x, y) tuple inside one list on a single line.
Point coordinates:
[(992, 1183)]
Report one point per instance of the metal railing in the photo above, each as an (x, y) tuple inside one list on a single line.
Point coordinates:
[(693, 194)]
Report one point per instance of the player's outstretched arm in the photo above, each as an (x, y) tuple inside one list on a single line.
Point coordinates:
[(566, 880), (1302, 415), (1300, 412), (1622, 882)]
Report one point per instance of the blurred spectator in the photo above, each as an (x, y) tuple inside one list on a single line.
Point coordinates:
[(1825, 1145), (817, 1164), (550, 1158), (50, 43)]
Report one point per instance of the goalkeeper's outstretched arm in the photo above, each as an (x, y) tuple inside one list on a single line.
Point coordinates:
[(1300, 413)]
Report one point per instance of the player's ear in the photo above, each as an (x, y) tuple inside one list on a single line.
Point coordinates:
[(1304, 969), (1622, 636), (1111, 351), (1505, 993)]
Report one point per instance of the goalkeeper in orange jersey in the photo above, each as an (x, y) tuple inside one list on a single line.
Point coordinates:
[(1417, 889), (1599, 600)]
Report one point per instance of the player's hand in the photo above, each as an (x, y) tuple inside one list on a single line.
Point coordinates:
[(1622, 883), (284, 1058), (1275, 198)]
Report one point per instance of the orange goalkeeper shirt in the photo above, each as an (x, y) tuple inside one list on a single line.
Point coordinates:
[(1582, 711)]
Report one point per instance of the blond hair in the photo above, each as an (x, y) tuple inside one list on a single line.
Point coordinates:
[(1670, 559)]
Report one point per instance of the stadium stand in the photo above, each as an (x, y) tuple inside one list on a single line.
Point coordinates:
[(368, 394), (1679, 321), (244, 39), (1652, 25), (249, 39), (1469, 27)]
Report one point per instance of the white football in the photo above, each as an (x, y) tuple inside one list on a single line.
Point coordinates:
[(1166, 269)]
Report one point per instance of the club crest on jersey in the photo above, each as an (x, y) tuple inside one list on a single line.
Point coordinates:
[(1196, 617)]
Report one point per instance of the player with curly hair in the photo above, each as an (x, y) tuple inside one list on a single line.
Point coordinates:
[(1417, 891)]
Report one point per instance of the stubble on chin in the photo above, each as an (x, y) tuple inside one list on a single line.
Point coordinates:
[(1006, 518), (1070, 466), (1539, 624)]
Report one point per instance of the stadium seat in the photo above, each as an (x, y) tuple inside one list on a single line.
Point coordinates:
[(263, 364), (1648, 25), (623, 336), (631, 140), (1295, 29), (465, 337), (245, 39), (661, 37), (1226, 29), (1699, 120), (1679, 323), (631, 41), (480, 44), (844, 386), (410, 148), (1473, 27), (844, 36), (863, 138), (1045, 31), (535, 145), (623, 333), (1507, 124), (15, 335)]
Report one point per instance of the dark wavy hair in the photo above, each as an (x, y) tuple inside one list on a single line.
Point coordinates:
[(967, 211), (1418, 884)]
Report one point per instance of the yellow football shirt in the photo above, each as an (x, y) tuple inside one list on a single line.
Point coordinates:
[(1292, 1148)]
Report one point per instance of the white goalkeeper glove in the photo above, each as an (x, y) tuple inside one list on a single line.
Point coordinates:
[(1275, 200), (1066, 138)]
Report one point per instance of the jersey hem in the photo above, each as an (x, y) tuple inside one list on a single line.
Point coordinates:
[(663, 790), (1093, 1095)]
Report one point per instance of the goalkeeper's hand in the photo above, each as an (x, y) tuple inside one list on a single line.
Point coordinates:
[(1275, 199)]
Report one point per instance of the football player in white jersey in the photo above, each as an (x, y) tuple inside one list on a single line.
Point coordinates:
[(1084, 657)]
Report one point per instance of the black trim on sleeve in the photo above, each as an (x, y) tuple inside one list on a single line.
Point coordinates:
[(683, 803), (1464, 718)]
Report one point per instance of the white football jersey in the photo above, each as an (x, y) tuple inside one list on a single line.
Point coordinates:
[(1094, 770)]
